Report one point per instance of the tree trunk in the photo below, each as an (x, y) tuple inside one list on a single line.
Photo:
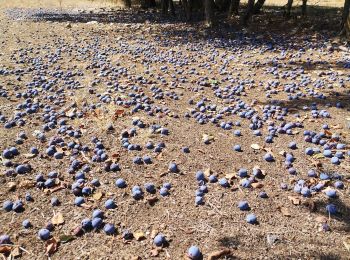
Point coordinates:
[(248, 13), (345, 23), (234, 6), (148, 4), (289, 7), (187, 4), (152, 3), (304, 7), (223, 4), (172, 8), (165, 6), (345, 13), (257, 7), (347, 27), (209, 12), (127, 3)]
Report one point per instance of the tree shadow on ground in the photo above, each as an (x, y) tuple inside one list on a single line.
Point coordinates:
[(271, 19), (270, 29), (229, 242), (343, 214), (333, 99)]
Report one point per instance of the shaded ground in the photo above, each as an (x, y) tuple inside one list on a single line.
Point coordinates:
[(122, 51)]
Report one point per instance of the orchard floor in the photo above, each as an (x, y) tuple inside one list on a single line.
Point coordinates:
[(98, 48)]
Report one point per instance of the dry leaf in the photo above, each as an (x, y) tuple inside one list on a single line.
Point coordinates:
[(321, 219), (154, 232), (257, 185), (11, 186), (327, 132), (155, 252), (310, 204), (5, 249), (29, 155), (230, 176), (346, 243), (118, 113), (336, 126), (61, 187), (283, 153), (207, 172), (152, 200), (139, 235), (255, 146), (207, 138), (86, 206), (57, 219), (295, 200), (51, 246), (16, 252), (318, 156), (97, 195), (26, 184), (285, 212), (219, 254)]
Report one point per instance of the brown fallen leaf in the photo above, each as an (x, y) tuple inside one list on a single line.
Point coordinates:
[(51, 246), (152, 200), (285, 212), (217, 254), (118, 113), (57, 219), (327, 132), (5, 249), (295, 200)]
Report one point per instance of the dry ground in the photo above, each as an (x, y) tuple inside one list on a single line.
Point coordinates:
[(219, 223)]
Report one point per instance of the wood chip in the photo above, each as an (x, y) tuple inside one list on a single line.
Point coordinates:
[(295, 200), (255, 146), (218, 254)]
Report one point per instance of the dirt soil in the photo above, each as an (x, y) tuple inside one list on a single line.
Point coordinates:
[(93, 66)]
